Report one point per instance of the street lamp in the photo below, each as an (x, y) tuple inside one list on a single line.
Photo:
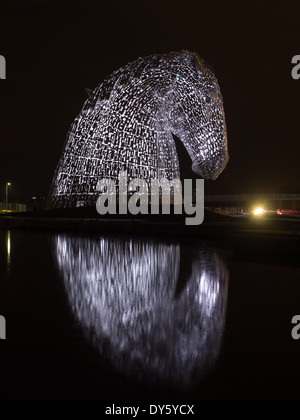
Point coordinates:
[(8, 184)]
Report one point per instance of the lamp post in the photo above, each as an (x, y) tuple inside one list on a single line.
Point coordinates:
[(8, 184)]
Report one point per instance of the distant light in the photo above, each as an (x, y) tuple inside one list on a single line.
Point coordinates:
[(9, 184), (34, 198), (259, 211)]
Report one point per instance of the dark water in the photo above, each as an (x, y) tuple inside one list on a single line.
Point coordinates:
[(115, 317)]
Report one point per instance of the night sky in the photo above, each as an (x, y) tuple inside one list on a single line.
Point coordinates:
[(56, 49)]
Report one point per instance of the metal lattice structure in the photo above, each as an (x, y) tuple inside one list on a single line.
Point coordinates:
[(128, 121)]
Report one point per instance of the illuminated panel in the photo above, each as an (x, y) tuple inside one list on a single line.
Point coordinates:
[(125, 295), (128, 121)]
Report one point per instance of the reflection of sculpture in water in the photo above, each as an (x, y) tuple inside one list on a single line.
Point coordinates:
[(124, 293)]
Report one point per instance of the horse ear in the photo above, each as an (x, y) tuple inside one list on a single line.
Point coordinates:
[(200, 64), (195, 60), (187, 55), (89, 92)]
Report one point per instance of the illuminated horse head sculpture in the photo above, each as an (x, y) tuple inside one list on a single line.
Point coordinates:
[(128, 122)]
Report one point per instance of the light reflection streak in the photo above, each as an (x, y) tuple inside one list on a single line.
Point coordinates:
[(8, 249), (123, 292)]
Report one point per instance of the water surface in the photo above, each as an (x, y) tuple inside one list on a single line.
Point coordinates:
[(123, 317)]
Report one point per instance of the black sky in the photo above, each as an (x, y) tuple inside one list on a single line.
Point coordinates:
[(55, 49)]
